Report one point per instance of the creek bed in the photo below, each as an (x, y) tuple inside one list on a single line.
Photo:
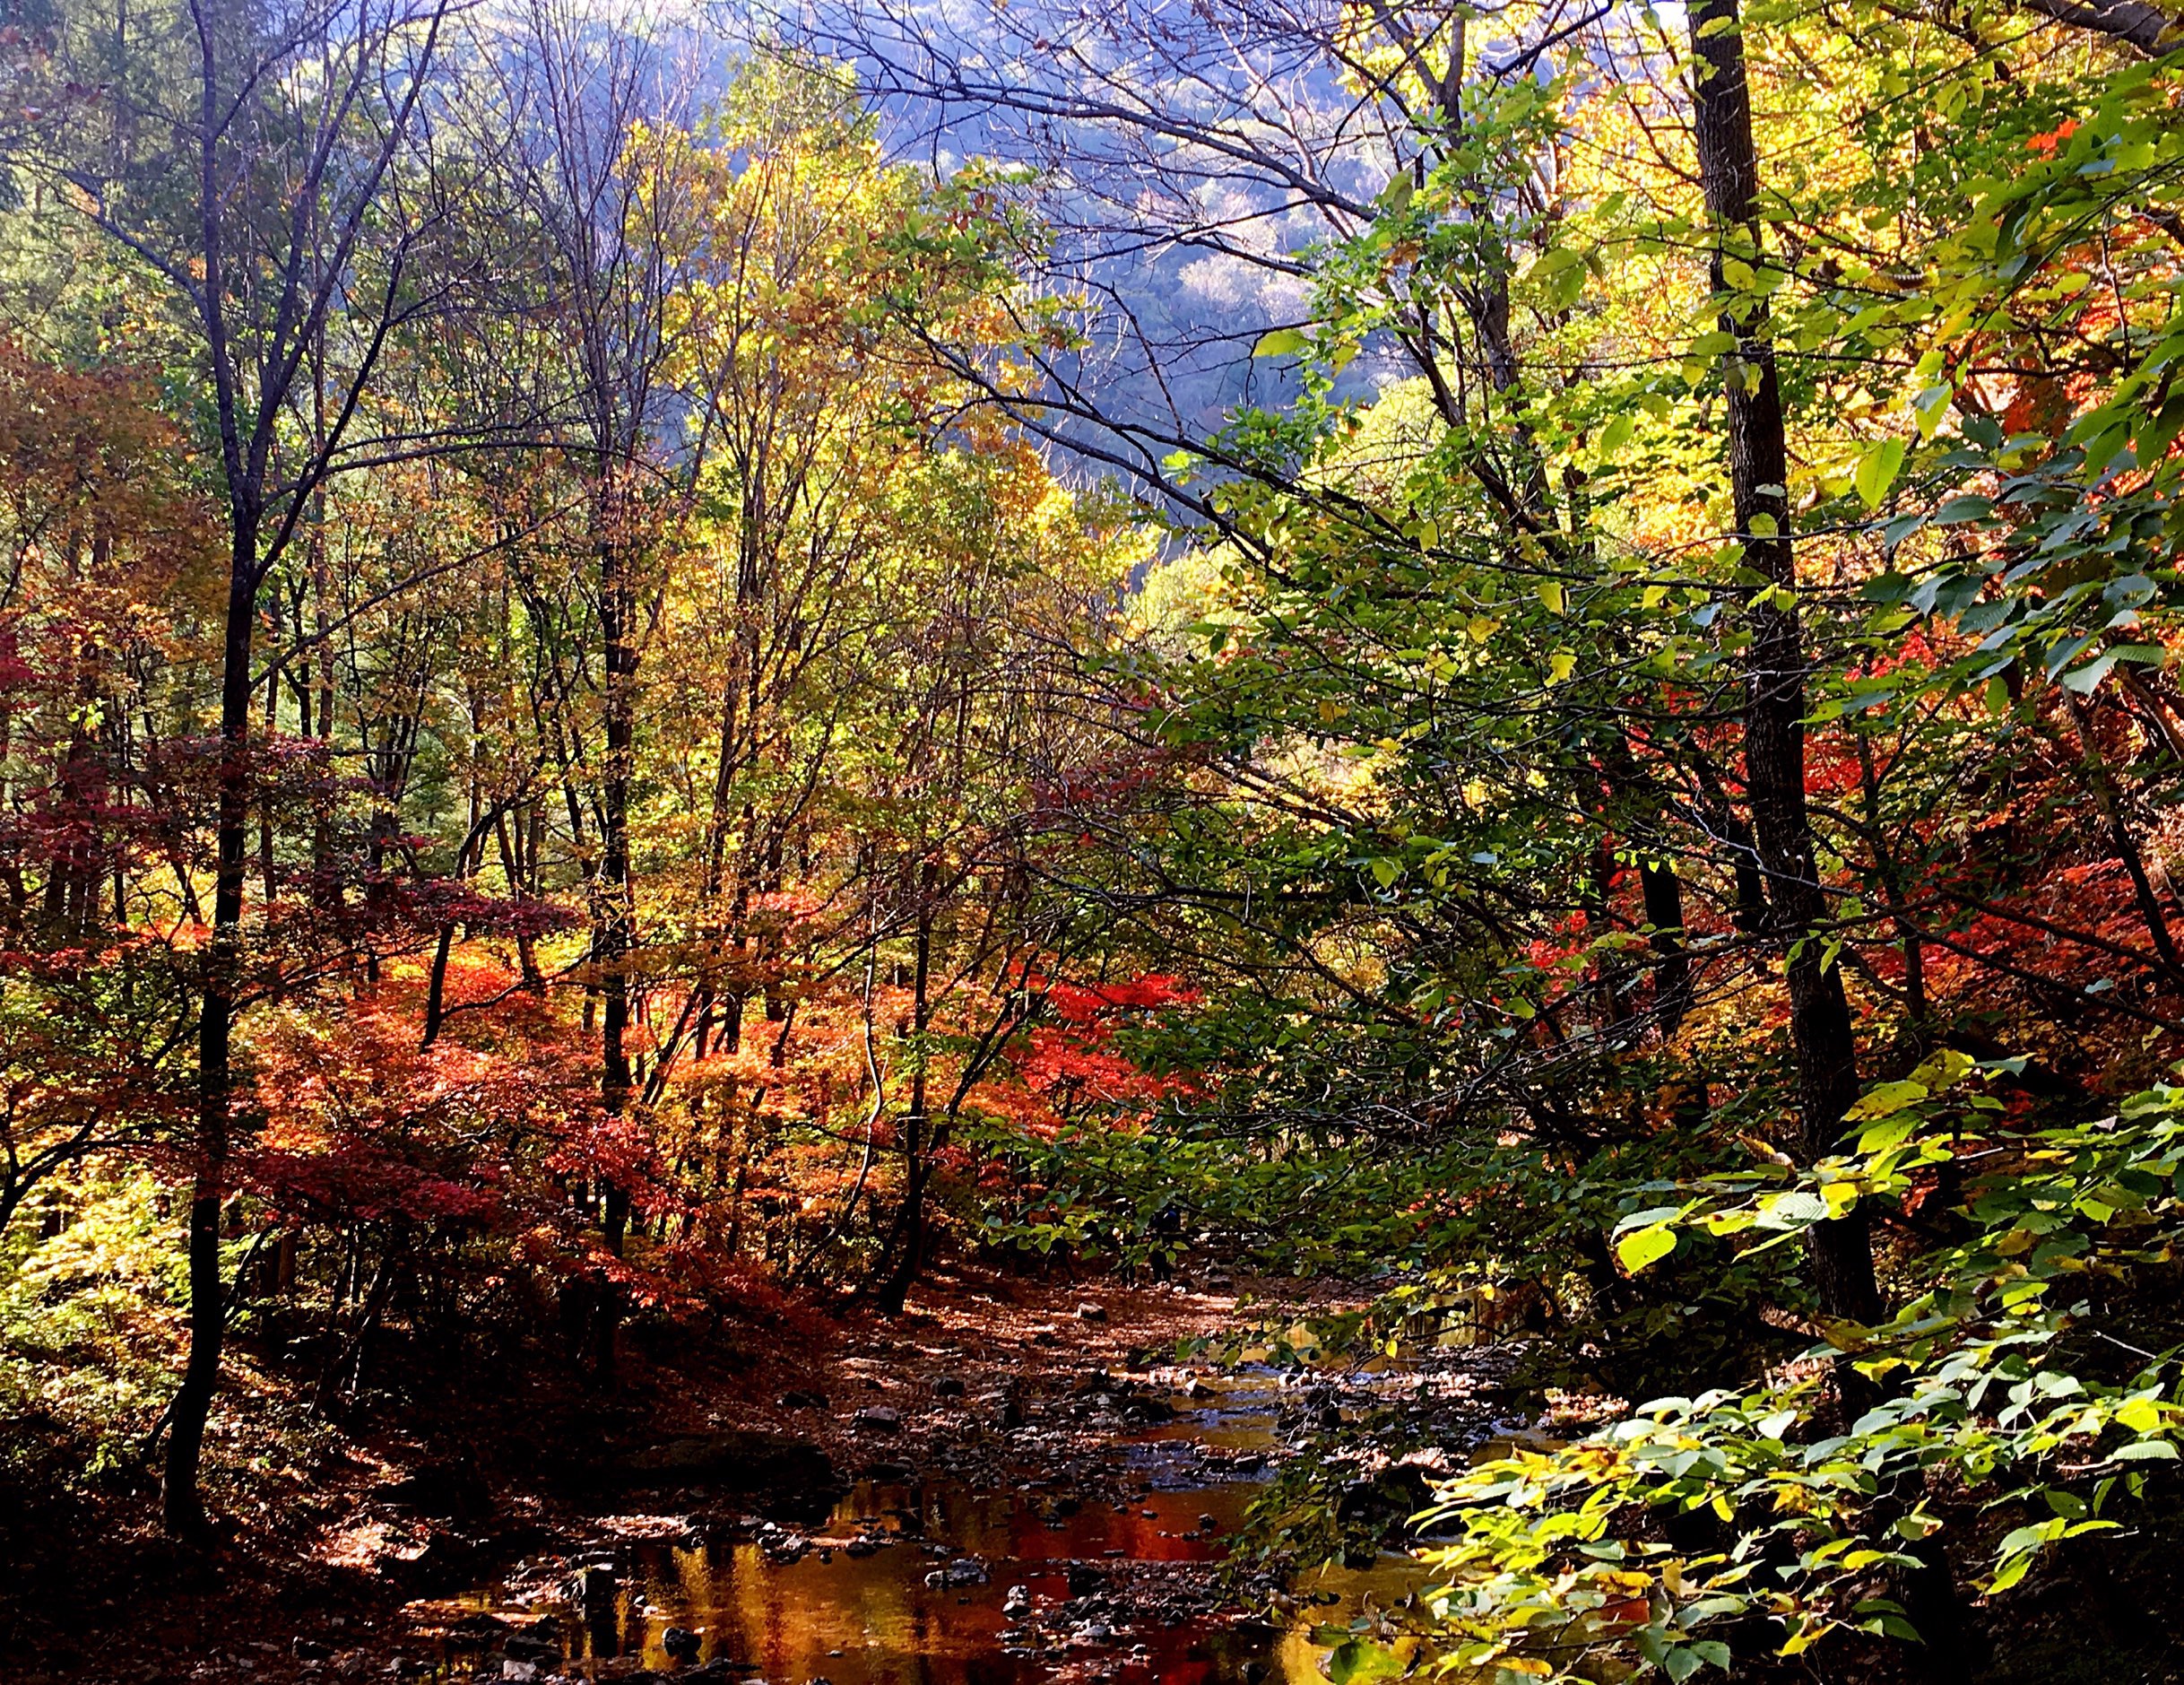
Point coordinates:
[(1044, 1586)]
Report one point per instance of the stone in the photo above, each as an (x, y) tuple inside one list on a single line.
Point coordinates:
[(1091, 1310), (682, 1644), (948, 1386), (879, 1419), (803, 1398), (1017, 1601), (310, 1650)]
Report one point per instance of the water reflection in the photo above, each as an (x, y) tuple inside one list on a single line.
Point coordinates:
[(874, 1620)]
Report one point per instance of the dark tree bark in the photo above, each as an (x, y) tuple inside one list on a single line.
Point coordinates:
[(1825, 1050), (910, 1219), (2133, 23), (182, 1509)]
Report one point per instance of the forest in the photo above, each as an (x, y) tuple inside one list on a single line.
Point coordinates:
[(1225, 841)]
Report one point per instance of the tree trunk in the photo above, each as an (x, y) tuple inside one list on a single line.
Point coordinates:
[(910, 1221), (182, 1509), (1825, 1051), (614, 937)]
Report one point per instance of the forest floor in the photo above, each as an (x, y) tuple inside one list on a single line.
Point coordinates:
[(357, 1559)]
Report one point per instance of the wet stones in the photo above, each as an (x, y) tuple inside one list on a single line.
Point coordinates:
[(778, 1545), (1055, 1511), (523, 1656), (877, 1418)]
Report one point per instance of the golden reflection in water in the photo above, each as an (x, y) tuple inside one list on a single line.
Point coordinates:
[(889, 1627)]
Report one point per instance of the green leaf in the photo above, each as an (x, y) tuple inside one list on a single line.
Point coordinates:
[(1282, 341), (1877, 470), (1356, 1662), (2084, 680), (1885, 1099), (1642, 1246), (1681, 1662)]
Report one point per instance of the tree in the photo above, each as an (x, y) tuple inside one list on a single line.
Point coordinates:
[(272, 171), (97, 525)]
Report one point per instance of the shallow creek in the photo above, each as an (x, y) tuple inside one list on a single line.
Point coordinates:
[(1041, 1587)]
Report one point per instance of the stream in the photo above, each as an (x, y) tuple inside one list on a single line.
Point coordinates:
[(931, 1581)]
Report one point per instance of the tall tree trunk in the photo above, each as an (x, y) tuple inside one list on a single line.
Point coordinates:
[(1825, 1052), (910, 1221), (613, 935), (182, 1509)]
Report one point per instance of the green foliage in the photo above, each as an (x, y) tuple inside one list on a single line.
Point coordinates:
[(89, 1315)]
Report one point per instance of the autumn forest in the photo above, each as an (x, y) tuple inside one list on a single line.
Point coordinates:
[(964, 842)]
